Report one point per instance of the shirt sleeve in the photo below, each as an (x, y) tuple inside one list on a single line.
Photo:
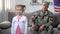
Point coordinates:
[(35, 14), (50, 19), (26, 25), (12, 27), (49, 23)]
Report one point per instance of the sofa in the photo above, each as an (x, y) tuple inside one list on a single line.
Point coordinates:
[(7, 29)]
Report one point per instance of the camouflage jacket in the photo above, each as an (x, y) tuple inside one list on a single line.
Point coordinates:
[(41, 18)]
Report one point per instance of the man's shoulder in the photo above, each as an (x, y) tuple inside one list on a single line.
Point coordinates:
[(38, 10), (50, 12)]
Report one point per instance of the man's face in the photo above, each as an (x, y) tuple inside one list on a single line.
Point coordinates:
[(19, 10), (45, 7)]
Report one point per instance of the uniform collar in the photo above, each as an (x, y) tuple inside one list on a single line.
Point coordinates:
[(45, 12)]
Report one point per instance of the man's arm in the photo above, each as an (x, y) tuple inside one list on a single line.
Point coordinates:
[(49, 23), (50, 19), (34, 17)]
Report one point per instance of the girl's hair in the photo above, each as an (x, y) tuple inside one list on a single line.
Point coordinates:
[(23, 6)]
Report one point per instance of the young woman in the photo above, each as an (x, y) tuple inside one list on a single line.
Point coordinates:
[(19, 22)]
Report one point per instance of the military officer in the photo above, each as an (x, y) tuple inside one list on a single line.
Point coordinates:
[(42, 20)]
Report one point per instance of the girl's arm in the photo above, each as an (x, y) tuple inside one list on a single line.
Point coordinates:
[(12, 27), (26, 25)]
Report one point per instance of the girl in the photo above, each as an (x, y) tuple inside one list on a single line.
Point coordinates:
[(19, 22)]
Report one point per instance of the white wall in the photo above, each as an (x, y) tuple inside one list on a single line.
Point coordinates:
[(30, 8)]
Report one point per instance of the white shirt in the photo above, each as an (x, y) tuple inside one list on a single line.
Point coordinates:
[(23, 23)]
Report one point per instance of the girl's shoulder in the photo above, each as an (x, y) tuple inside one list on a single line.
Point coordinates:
[(14, 17), (23, 16)]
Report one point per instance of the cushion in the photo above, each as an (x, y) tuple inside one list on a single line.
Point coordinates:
[(58, 26), (5, 24)]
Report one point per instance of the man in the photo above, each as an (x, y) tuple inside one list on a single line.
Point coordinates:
[(42, 20)]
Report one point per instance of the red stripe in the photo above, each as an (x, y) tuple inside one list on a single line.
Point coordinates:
[(57, 10)]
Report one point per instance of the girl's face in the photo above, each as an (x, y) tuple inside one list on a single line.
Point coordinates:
[(19, 10)]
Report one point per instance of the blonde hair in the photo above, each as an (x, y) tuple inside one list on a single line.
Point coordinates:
[(23, 6)]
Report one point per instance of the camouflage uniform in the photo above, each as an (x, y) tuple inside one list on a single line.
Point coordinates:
[(41, 18)]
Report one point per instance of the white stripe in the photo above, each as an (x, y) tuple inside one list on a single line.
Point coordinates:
[(57, 6)]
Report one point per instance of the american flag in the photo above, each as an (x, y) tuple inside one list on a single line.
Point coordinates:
[(57, 5)]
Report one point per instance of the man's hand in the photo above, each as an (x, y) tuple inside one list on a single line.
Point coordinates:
[(32, 17), (41, 28), (33, 26)]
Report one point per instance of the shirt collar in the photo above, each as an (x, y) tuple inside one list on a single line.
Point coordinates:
[(45, 12)]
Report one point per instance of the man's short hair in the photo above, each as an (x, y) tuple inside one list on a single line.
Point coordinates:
[(46, 3)]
